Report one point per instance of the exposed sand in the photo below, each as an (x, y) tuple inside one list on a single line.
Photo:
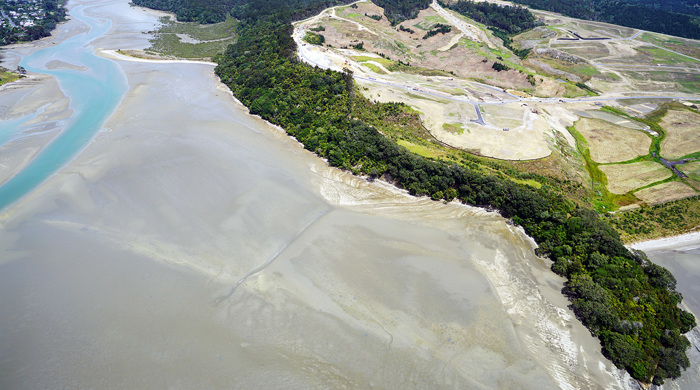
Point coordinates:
[(115, 55), (15, 155), (360, 276), (30, 94), (127, 268), (57, 64), (41, 102), (683, 241)]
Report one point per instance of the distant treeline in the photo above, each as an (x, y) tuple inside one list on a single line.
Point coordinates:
[(437, 29), (642, 14), (201, 11), (214, 11), (629, 303), (511, 19), (398, 11), (503, 21), (691, 7)]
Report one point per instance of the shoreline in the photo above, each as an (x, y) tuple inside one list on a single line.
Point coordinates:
[(678, 242), (362, 179), (115, 55)]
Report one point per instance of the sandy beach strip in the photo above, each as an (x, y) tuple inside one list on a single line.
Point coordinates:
[(114, 55), (683, 241)]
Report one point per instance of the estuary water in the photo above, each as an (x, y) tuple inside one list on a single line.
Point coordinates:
[(187, 244), (94, 94)]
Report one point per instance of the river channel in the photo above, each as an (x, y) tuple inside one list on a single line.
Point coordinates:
[(176, 241)]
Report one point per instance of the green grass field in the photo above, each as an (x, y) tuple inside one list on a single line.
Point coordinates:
[(387, 63), (661, 56), (453, 128), (374, 68), (7, 77), (420, 149)]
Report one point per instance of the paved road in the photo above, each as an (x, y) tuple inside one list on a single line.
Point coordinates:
[(554, 100), (515, 99), (8, 19), (649, 66), (460, 25)]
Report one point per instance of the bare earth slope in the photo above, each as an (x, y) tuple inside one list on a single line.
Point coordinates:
[(574, 68)]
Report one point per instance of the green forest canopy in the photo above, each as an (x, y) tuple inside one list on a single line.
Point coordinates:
[(511, 19), (201, 11), (625, 300), (398, 11), (642, 14)]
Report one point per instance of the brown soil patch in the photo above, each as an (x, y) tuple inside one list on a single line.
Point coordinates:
[(547, 87), (624, 178), (611, 143), (661, 81), (589, 50), (682, 133), (592, 29), (448, 52), (665, 193)]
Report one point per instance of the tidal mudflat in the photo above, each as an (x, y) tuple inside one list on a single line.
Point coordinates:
[(190, 244)]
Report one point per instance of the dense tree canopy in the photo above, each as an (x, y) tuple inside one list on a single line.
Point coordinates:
[(648, 15), (202, 11), (691, 7), (398, 11), (511, 19)]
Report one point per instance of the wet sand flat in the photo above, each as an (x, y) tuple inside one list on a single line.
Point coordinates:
[(192, 245)]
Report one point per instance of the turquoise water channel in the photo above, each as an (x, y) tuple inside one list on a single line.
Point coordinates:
[(94, 94)]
